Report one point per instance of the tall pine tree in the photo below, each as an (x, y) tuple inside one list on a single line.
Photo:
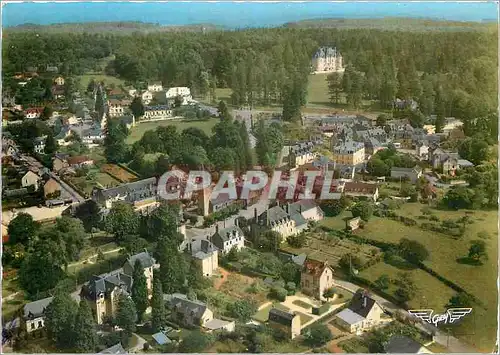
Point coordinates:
[(85, 335), (126, 315), (172, 266), (139, 290), (158, 312)]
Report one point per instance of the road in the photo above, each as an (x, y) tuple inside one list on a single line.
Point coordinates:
[(453, 344)]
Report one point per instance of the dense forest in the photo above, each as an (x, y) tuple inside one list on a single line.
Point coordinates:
[(451, 73)]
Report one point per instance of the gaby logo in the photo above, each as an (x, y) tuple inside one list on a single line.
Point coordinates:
[(251, 181), (450, 316)]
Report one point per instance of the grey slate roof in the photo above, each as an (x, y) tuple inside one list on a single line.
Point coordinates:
[(115, 349), (274, 214), (106, 283), (37, 308), (361, 303), (350, 317), (301, 206), (299, 259), (299, 220), (282, 317), (182, 304), (134, 191), (402, 344), (144, 258), (228, 233)]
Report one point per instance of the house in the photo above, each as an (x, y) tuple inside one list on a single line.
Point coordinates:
[(51, 188), (307, 208), (288, 322), (315, 278), (450, 165), (30, 179), (412, 174), (401, 344), (62, 136), (353, 223), (137, 193), (34, 314), (80, 161), (404, 104), (147, 263), (155, 87), (39, 144), (362, 314), (183, 92), (93, 135), (422, 150), (463, 163), (372, 145), (147, 97), (115, 349), (228, 238), (441, 159), (116, 108), (327, 60), (160, 112), (206, 255), (59, 80), (349, 153), (8, 149), (59, 162), (102, 293), (300, 154), (219, 324), (188, 312), (361, 189), (208, 204), (275, 219), (34, 112)]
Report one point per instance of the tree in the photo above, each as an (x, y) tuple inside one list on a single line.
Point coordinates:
[(458, 197), (407, 288), (89, 213), (172, 266), (290, 272), (474, 149), (243, 309), (362, 209), (223, 158), (278, 293), (383, 282), (460, 300), (60, 320), (126, 315), (51, 145), (115, 148), (329, 293), (162, 223), (46, 113), (41, 270), (334, 86), (195, 342), (158, 312), (477, 250), (139, 290), (195, 278), (22, 229), (318, 335), (85, 335), (137, 107), (223, 111), (382, 120), (122, 220), (412, 250), (297, 240), (349, 262), (377, 167), (268, 241), (247, 153), (440, 122)]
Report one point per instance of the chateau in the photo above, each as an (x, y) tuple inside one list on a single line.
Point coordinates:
[(327, 60)]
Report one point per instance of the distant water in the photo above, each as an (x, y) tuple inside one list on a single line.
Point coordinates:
[(238, 15)]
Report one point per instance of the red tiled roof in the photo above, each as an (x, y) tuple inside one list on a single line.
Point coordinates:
[(314, 267), (34, 110)]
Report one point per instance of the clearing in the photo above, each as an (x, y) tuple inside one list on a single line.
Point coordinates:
[(138, 131), (107, 79)]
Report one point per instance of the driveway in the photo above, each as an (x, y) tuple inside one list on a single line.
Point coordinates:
[(453, 344)]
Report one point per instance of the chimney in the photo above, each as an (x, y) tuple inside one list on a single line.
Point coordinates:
[(236, 222), (364, 301), (255, 212), (300, 208), (216, 227), (288, 207)]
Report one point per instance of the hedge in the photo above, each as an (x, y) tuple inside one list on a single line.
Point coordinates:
[(320, 310)]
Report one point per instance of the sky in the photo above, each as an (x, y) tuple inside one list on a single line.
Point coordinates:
[(238, 14)]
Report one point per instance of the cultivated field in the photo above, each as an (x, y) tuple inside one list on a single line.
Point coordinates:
[(118, 173)]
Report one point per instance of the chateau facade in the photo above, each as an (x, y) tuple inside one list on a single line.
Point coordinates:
[(327, 60)]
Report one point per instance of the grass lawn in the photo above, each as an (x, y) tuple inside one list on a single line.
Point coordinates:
[(107, 79), (354, 345), (226, 346), (85, 186), (138, 131), (479, 329), (343, 296), (241, 286), (9, 287), (263, 314), (302, 304), (336, 222), (10, 307)]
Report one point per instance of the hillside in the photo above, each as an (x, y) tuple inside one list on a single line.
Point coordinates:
[(395, 23)]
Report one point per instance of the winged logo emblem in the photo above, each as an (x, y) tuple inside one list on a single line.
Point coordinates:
[(450, 316)]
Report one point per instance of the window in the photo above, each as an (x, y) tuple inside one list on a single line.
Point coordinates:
[(32, 325), (40, 324)]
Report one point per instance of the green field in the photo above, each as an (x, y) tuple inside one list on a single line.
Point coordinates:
[(107, 79), (444, 251), (138, 131)]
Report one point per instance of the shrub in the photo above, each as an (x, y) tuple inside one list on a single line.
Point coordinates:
[(278, 293)]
